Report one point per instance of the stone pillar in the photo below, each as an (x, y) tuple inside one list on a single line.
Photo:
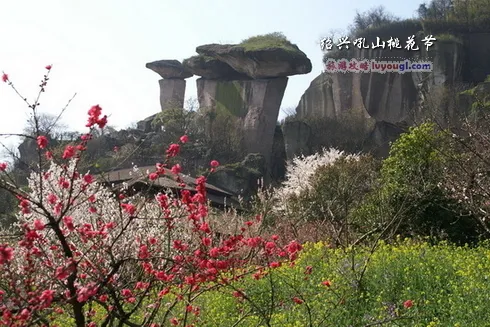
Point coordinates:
[(172, 93), (172, 86), (264, 101), (255, 103)]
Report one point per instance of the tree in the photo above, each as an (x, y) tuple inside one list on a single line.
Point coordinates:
[(47, 124), (375, 17), (467, 177), (436, 10)]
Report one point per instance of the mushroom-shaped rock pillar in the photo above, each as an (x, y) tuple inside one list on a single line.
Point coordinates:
[(172, 86)]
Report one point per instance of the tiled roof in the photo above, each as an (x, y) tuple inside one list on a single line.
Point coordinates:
[(132, 176), (139, 177)]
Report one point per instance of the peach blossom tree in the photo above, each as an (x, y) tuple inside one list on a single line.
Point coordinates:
[(79, 245)]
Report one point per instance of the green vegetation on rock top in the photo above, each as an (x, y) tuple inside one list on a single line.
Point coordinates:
[(268, 41)]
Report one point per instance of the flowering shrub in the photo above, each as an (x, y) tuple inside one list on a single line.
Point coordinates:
[(319, 193), (299, 171), (82, 246)]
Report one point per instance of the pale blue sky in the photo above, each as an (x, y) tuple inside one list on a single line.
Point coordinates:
[(99, 48)]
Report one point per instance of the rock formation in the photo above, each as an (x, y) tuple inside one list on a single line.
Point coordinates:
[(260, 62), (172, 86), (211, 68), (248, 81), (395, 100), (240, 178)]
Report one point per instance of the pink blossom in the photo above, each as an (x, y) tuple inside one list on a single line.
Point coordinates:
[(68, 221), (47, 297), (69, 152), (42, 141), (129, 208), (176, 169), (88, 178), (6, 253), (173, 150), (38, 224), (184, 139)]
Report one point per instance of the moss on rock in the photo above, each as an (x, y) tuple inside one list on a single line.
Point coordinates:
[(268, 41), (229, 98)]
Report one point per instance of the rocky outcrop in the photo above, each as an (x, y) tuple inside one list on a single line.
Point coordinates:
[(169, 69), (146, 125), (211, 68), (248, 81), (240, 178), (393, 99), (266, 62)]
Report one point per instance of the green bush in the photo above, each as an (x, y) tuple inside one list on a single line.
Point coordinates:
[(400, 29), (411, 180)]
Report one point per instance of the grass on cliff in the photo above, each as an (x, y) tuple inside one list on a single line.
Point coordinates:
[(267, 41)]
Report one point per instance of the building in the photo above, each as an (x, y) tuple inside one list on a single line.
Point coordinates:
[(136, 181)]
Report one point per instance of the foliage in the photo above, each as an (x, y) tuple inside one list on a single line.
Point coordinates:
[(407, 284), (462, 16), (449, 38), (412, 179), (323, 192), (177, 121), (373, 18), (223, 135), (301, 168)]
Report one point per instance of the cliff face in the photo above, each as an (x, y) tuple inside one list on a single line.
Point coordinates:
[(255, 103), (394, 99)]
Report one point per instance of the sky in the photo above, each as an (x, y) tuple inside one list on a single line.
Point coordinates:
[(99, 48)]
